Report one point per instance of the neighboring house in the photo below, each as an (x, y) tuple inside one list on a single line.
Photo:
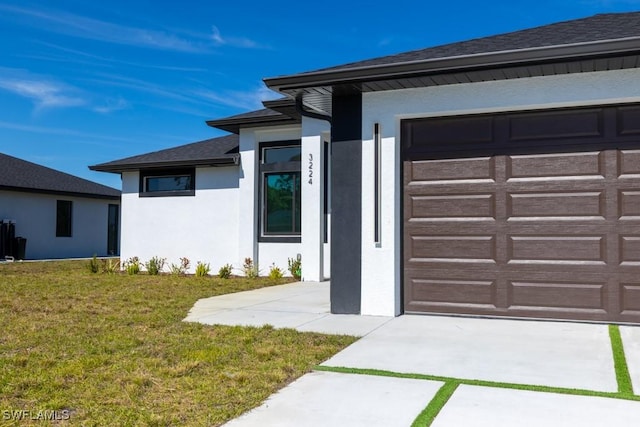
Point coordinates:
[(60, 215), (498, 176)]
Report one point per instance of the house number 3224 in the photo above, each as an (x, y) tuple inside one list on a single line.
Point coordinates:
[(310, 169)]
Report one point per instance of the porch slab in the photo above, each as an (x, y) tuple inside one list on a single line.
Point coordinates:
[(249, 317), (303, 306), (553, 354), (631, 343), (473, 406), (328, 398)]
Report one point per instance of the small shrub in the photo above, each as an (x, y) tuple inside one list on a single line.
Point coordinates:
[(202, 269), (225, 271), (94, 265), (295, 267), (249, 269), (132, 265), (155, 265), (180, 270), (110, 266), (275, 273)]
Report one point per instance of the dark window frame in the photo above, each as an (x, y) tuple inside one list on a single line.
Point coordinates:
[(275, 168), (113, 228), (64, 218), (160, 173)]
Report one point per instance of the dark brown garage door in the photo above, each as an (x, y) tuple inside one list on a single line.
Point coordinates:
[(527, 214)]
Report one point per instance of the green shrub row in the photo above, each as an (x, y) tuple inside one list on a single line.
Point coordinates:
[(155, 266)]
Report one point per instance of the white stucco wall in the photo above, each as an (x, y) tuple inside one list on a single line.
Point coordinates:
[(381, 266), (220, 224), (204, 227), (314, 134), (263, 253), (35, 217)]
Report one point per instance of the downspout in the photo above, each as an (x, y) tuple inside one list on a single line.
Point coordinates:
[(306, 113)]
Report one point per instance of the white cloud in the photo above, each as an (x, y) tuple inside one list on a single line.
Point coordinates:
[(246, 100), (112, 105), (75, 56), (43, 93), (242, 42), (89, 28), (86, 137)]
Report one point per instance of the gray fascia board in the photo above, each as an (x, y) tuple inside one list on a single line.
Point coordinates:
[(226, 161), (234, 125), (437, 65), (60, 193)]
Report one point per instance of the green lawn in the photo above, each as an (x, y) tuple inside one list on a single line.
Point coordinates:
[(113, 350)]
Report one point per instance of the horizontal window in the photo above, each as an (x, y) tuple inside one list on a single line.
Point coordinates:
[(281, 154), (168, 182)]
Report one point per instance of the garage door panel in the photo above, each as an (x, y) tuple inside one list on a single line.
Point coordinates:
[(629, 204), (629, 120), (558, 165), (629, 296), (557, 249), (470, 293), (436, 171), (553, 125), (453, 248), (453, 206), (628, 163), (544, 222), (576, 204), (557, 294)]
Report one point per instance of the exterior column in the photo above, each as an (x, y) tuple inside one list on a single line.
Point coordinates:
[(346, 204), (312, 176)]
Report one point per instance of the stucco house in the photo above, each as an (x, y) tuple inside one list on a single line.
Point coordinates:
[(497, 176), (59, 215)]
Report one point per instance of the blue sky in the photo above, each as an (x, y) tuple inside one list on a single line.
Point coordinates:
[(88, 82)]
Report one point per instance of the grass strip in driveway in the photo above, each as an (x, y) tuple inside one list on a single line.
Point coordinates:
[(620, 361), (483, 383), (426, 417)]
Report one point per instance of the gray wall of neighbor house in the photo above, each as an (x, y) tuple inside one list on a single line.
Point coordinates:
[(36, 219)]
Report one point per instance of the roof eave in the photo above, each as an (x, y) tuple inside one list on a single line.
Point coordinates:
[(219, 161), (234, 125), (357, 75), (60, 193)]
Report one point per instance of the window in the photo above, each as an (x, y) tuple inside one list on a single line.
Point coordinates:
[(64, 211), (280, 187), (113, 219), (168, 182)]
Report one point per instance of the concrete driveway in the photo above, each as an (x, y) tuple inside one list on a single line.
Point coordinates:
[(437, 370)]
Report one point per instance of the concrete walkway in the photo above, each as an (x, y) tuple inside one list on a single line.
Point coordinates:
[(507, 356), (303, 306)]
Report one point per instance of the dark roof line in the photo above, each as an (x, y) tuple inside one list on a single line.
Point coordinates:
[(221, 151), (358, 74), (280, 111), (24, 176)]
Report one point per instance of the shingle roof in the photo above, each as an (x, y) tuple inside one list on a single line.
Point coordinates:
[(20, 175), (215, 151), (598, 43), (601, 27), (283, 112)]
